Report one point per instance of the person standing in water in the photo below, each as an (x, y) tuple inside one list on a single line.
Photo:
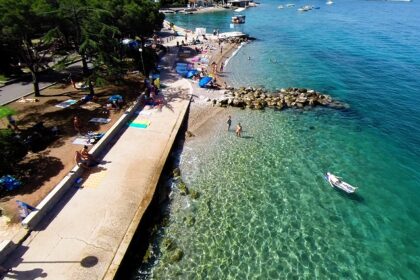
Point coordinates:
[(229, 122), (238, 130)]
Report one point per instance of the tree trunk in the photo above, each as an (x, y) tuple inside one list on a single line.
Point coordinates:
[(35, 82), (87, 74), (85, 66)]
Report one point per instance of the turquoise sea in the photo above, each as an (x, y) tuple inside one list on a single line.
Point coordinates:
[(265, 211)]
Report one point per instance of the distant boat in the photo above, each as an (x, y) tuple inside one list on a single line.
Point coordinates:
[(329, 2), (188, 11), (305, 8), (231, 34), (168, 11), (280, 7), (238, 10), (336, 182), (290, 5), (238, 19)]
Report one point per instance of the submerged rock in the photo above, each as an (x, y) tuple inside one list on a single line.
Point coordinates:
[(189, 220), (176, 172), (194, 194), (169, 244), (183, 190), (189, 134), (176, 256)]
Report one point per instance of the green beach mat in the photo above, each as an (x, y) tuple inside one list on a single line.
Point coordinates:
[(140, 124)]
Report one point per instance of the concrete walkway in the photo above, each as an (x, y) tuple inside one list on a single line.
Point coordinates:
[(86, 235)]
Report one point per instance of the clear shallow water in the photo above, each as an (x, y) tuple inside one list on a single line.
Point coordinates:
[(265, 211)]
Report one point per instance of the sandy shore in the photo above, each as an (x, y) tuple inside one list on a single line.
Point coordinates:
[(201, 10), (210, 10), (201, 108)]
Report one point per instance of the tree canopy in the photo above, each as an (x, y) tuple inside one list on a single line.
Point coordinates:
[(33, 30)]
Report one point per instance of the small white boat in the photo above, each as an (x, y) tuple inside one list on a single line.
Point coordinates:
[(336, 182), (239, 19), (329, 2), (290, 5), (280, 7), (305, 8), (167, 11), (238, 10)]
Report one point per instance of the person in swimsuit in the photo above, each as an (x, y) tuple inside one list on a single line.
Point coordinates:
[(238, 130), (229, 122)]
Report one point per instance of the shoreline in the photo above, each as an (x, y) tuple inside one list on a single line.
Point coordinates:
[(201, 107), (198, 118)]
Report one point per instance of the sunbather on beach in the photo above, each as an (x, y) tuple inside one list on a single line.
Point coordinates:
[(77, 124), (86, 156), (78, 158)]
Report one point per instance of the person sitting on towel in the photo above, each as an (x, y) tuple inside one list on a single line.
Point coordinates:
[(86, 156), (78, 158), (85, 160)]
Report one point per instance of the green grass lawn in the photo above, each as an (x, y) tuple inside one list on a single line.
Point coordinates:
[(2, 79)]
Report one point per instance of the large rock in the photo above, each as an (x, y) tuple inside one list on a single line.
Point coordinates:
[(238, 102), (257, 105)]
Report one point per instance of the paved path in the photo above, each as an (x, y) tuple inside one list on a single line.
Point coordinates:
[(23, 87), (17, 90)]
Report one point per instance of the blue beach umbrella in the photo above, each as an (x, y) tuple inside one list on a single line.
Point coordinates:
[(204, 81)]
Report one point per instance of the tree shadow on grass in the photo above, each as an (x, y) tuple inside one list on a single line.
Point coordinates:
[(35, 171)]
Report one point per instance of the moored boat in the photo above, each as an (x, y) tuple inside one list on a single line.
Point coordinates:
[(336, 182), (305, 8), (238, 19)]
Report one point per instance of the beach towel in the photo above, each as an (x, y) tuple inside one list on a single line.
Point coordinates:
[(145, 113), (90, 106), (99, 120), (140, 124), (66, 103), (81, 141)]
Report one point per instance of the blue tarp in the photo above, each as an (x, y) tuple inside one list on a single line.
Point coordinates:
[(182, 72), (204, 81), (9, 183), (115, 98), (191, 73)]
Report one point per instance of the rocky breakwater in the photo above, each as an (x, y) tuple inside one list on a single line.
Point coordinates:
[(260, 98), (236, 40)]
